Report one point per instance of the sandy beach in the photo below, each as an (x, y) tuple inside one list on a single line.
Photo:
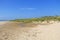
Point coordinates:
[(9, 31)]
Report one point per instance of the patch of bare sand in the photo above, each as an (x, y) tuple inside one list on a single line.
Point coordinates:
[(11, 31)]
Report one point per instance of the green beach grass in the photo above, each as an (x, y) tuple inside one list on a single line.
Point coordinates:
[(45, 18)]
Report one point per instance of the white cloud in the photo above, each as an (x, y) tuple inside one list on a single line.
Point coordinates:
[(27, 8)]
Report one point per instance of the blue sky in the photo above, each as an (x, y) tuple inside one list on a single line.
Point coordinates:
[(11, 9)]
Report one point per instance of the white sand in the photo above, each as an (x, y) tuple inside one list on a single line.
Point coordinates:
[(41, 32), (3, 22), (50, 32)]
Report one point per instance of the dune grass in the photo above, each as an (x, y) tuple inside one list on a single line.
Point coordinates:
[(45, 18)]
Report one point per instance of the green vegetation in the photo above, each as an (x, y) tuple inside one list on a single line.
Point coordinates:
[(45, 18)]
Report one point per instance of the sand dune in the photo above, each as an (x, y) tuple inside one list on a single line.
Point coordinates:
[(11, 31)]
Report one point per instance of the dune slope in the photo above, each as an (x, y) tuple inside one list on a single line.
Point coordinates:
[(10, 31)]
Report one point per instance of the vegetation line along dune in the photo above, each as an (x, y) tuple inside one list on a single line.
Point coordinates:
[(39, 20)]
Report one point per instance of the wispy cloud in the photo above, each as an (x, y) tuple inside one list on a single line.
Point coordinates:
[(27, 8)]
